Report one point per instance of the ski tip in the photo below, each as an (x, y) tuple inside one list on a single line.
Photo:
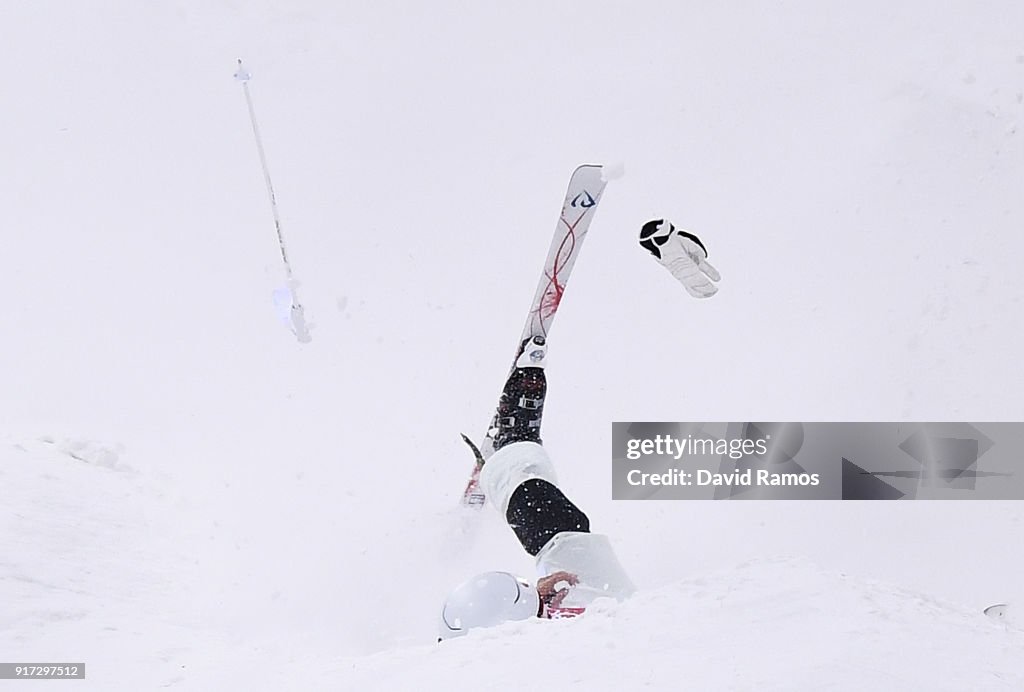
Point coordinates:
[(477, 454), (584, 166)]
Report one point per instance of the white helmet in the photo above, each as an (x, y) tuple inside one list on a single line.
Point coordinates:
[(486, 600)]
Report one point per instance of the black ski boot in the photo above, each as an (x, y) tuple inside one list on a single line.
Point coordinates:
[(522, 400)]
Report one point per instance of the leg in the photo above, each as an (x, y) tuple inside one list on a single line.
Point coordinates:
[(538, 510), (519, 477), (520, 481)]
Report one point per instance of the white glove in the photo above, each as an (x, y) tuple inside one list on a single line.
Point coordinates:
[(683, 254)]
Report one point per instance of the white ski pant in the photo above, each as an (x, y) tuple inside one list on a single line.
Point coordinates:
[(526, 467)]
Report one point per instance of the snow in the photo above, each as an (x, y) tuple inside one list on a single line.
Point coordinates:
[(194, 500), (780, 624), (613, 171)]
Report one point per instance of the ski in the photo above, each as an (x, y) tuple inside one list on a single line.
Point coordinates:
[(581, 199)]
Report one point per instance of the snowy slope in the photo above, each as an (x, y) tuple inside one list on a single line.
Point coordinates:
[(256, 507), (765, 625), (105, 562)]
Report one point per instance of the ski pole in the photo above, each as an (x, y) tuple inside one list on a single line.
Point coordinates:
[(297, 317)]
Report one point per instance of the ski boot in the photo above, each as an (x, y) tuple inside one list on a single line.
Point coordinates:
[(522, 400)]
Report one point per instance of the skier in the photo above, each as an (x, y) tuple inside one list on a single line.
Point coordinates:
[(519, 480)]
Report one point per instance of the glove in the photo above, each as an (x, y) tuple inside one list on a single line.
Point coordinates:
[(683, 254)]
